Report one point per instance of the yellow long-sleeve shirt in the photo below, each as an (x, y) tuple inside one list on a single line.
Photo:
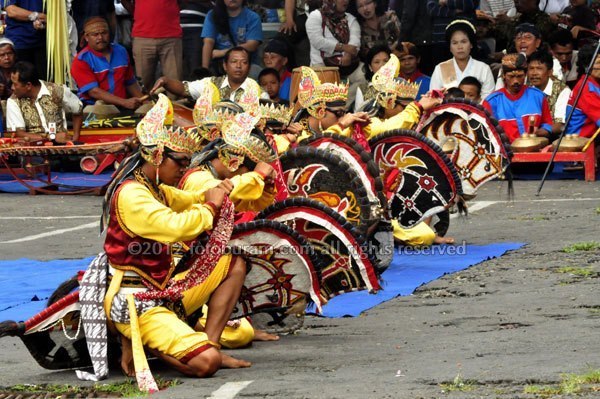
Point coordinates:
[(248, 194)]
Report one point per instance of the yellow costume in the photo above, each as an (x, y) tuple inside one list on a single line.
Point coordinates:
[(248, 192), (422, 235)]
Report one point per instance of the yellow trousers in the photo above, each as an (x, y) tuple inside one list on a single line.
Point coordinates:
[(418, 236), (162, 330)]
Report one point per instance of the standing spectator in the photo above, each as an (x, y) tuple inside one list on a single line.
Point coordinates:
[(275, 55), (192, 15), (460, 35), (103, 71), (293, 30), (229, 24), (7, 62), (376, 26), (416, 27), (334, 37), (156, 38), (26, 27), (124, 23), (409, 57), (443, 12)]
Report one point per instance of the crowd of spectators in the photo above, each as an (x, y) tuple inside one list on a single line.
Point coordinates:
[(442, 44)]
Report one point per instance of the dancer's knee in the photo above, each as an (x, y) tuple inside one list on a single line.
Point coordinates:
[(206, 363), (238, 269)]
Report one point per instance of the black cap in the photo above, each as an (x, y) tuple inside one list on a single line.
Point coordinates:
[(528, 28), (277, 47)]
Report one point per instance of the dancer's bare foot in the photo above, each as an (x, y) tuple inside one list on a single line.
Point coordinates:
[(262, 335), (443, 240), (228, 362), (127, 357)]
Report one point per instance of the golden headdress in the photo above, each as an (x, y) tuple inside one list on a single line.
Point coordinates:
[(389, 88), (275, 112), (250, 99), (156, 132), (207, 115), (240, 142), (314, 95), (514, 61)]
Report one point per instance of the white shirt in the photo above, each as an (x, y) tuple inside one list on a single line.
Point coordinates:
[(14, 117), (553, 6), (474, 68), (556, 71), (321, 39), (559, 113), (195, 87), (495, 7)]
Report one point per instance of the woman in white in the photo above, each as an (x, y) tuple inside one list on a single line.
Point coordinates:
[(460, 34), (334, 37)]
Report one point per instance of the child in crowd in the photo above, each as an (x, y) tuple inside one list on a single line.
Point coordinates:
[(471, 87), (269, 81)]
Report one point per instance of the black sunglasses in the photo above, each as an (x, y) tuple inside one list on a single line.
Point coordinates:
[(182, 161), (337, 112)]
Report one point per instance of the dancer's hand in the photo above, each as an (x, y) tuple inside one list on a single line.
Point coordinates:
[(226, 185), (216, 196)]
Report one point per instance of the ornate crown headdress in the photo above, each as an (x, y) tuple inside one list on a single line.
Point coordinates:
[(250, 99), (156, 131), (389, 87), (277, 113), (240, 143), (314, 95)]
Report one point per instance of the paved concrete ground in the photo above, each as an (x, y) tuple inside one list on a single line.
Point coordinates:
[(505, 323)]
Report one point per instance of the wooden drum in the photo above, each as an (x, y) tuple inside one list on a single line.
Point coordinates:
[(325, 74)]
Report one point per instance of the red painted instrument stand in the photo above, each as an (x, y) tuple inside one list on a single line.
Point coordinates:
[(588, 157)]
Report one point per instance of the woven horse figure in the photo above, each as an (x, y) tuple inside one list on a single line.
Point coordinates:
[(481, 152)]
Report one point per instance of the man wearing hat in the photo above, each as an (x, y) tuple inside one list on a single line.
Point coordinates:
[(275, 55), (410, 57), (519, 109), (103, 70), (7, 62)]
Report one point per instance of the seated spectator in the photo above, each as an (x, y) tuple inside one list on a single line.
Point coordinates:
[(293, 31), (539, 74), (229, 24), (460, 35), (232, 85), (529, 13), (26, 27), (275, 55), (103, 70), (527, 40), (377, 56), (454, 92), (334, 37), (586, 116), (497, 8), (7, 62), (376, 25), (471, 88), (268, 79), (581, 17), (36, 110), (410, 57), (561, 46), (518, 108)]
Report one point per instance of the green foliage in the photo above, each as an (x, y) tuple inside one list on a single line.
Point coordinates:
[(582, 246), (570, 384), (577, 271)]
